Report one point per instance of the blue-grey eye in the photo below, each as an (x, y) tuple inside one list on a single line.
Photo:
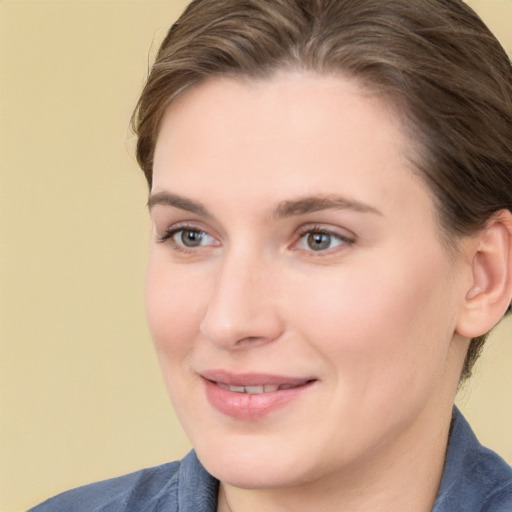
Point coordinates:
[(319, 241), (190, 237)]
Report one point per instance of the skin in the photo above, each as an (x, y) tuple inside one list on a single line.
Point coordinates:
[(373, 315)]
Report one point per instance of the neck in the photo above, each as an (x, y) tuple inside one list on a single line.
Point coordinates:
[(387, 481)]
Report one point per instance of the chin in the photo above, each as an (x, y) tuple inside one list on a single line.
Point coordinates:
[(254, 466), (253, 476)]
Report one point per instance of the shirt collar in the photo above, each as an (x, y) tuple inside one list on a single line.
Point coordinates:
[(472, 473)]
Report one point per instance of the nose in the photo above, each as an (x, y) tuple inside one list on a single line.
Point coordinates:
[(243, 309)]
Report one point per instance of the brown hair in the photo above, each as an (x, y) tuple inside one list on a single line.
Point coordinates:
[(434, 59)]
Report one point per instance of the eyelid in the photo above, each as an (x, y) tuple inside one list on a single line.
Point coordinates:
[(336, 231)]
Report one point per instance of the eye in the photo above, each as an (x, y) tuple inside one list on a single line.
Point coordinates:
[(191, 237), (184, 238), (318, 240)]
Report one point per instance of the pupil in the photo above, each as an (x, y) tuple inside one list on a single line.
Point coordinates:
[(191, 238), (319, 241)]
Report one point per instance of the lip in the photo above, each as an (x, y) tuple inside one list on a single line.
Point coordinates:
[(250, 405)]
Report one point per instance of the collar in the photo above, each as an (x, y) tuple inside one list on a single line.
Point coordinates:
[(474, 477)]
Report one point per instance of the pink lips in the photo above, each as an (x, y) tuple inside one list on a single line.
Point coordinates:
[(251, 396)]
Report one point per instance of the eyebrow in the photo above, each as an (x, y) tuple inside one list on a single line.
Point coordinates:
[(168, 199), (291, 208), (305, 205)]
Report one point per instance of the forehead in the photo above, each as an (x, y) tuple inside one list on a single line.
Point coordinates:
[(296, 132), (250, 102)]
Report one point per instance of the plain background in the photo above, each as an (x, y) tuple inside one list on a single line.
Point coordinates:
[(81, 397)]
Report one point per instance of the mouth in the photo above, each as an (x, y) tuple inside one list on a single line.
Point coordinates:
[(252, 396), (259, 389)]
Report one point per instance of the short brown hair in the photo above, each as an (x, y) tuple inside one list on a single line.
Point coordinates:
[(439, 64)]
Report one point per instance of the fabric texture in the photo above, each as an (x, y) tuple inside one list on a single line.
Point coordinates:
[(475, 479)]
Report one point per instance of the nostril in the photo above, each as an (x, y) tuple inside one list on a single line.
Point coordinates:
[(251, 333), (249, 340)]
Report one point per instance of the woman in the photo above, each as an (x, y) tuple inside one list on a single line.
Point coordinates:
[(331, 194)]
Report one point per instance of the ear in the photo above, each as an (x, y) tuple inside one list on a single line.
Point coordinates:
[(490, 291)]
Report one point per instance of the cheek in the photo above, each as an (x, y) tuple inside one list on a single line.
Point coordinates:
[(173, 310), (386, 327)]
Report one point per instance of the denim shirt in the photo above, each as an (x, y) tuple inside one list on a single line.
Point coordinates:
[(475, 479)]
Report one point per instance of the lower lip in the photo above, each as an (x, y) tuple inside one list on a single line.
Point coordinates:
[(251, 406)]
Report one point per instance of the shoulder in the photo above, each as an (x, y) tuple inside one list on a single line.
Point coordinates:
[(494, 476), (135, 491), (500, 500), (185, 486), (475, 478)]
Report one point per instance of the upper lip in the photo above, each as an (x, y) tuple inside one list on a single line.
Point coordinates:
[(253, 379)]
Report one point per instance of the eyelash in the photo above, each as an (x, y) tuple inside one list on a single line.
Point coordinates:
[(168, 237)]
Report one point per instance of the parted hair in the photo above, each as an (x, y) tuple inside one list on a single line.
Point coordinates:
[(446, 74)]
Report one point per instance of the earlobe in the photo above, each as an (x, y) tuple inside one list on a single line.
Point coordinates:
[(490, 292)]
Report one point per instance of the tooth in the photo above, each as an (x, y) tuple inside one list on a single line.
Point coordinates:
[(254, 389), (268, 388), (237, 389)]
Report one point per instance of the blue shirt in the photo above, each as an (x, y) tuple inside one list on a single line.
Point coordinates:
[(475, 479)]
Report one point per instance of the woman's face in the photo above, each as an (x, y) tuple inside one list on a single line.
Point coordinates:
[(301, 300)]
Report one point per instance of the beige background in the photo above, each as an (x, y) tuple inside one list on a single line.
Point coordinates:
[(81, 396)]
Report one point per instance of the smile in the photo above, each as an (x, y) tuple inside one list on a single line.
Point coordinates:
[(252, 396), (257, 390)]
